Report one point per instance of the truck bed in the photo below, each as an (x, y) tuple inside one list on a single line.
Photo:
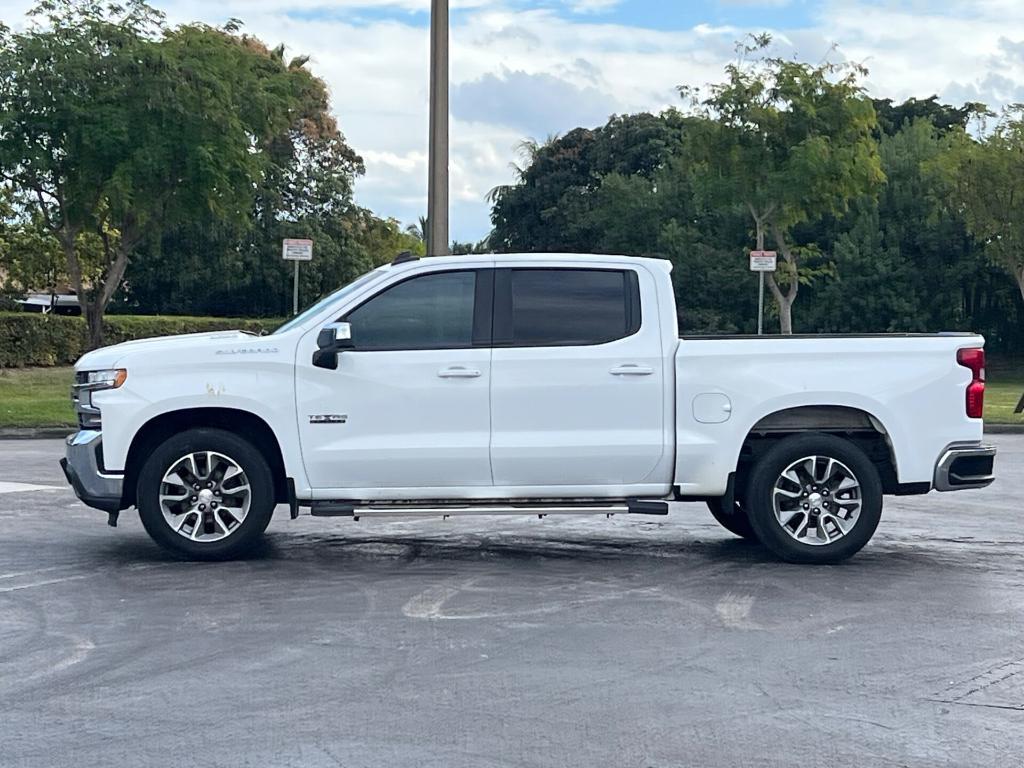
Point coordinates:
[(909, 386)]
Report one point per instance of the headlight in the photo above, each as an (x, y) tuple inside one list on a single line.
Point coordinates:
[(109, 379), (87, 382)]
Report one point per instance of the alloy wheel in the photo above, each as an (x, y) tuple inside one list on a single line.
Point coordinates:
[(205, 496), (817, 500)]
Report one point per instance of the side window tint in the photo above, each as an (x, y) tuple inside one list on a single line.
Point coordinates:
[(563, 307), (432, 311)]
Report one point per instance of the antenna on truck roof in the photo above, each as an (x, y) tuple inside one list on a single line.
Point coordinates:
[(403, 257)]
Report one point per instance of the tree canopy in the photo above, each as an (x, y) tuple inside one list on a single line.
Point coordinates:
[(987, 189), (158, 167), (187, 150), (790, 142), (888, 210)]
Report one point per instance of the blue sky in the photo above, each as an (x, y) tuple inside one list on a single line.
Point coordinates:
[(650, 14), (533, 68)]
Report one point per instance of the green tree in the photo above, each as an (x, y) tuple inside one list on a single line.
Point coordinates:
[(896, 257), (988, 188), (117, 126), (208, 264), (419, 229), (902, 258), (892, 118), (791, 143), (540, 212), (30, 257), (65, 89), (464, 249)]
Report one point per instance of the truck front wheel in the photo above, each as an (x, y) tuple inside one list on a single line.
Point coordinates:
[(814, 498), (206, 494)]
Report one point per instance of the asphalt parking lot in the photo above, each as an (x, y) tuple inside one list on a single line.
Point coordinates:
[(483, 642)]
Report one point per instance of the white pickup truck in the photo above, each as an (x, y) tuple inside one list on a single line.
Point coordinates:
[(523, 384)]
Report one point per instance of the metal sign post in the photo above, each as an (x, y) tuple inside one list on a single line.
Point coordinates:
[(760, 298), (296, 250), (761, 262)]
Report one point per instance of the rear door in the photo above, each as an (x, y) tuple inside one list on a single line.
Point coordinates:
[(577, 377)]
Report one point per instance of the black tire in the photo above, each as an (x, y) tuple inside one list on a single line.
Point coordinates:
[(737, 522), (761, 510), (241, 538)]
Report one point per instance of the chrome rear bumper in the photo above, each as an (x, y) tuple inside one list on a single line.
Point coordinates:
[(965, 466)]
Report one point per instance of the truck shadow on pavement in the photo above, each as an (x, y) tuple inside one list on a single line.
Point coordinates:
[(391, 552), (718, 582)]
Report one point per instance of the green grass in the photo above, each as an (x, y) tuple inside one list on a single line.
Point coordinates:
[(36, 397), (1002, 393), (39, 397)]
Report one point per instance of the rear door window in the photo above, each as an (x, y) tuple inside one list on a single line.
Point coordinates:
[(565, 307)]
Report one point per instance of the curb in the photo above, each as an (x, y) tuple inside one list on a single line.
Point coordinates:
[(35, 433), (1004, 429)]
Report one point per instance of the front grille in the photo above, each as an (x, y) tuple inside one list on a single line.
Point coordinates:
[(81, 399)]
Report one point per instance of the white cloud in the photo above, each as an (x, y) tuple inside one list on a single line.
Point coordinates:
[(537, 104), (404, 163), (920, 52), (549, 70), (593, 6)]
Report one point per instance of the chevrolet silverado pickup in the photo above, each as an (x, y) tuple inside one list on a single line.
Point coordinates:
[(523, 384)]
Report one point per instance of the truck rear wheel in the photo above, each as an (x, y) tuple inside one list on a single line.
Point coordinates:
[(814, 498), (735, 520), (206, 494)]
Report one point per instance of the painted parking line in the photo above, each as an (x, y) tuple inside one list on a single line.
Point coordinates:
[(44, 583), (6, 487)]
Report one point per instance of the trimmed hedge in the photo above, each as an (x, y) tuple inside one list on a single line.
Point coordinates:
[(30, 338)]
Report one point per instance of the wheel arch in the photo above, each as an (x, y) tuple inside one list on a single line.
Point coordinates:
[(242, 423), (861, 427)]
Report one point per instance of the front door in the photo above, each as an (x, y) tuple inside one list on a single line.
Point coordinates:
[(409, 406)]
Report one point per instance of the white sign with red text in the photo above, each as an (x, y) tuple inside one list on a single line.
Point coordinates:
[(763, 261), (297, 250)]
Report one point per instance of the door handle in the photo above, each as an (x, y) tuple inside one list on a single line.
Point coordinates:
[(631, 369), (458, 372)]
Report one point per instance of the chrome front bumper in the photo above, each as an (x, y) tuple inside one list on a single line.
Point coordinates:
[(965, 466), (83, 467)]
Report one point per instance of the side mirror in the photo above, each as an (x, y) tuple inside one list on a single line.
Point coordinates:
[(332, 339)]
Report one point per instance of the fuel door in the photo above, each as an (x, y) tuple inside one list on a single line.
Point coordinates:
[(712, 408)]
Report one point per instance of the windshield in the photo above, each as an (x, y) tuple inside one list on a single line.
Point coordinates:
[(302, 317)]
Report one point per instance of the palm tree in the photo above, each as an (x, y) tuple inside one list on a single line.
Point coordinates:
[(528, 151), (419, 229)]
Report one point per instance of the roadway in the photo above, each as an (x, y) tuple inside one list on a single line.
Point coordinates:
[(648, 642)]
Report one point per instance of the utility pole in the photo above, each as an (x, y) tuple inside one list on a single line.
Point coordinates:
[(437, 185)]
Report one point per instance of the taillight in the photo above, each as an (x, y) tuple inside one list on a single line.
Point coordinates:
[(975, 360)]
